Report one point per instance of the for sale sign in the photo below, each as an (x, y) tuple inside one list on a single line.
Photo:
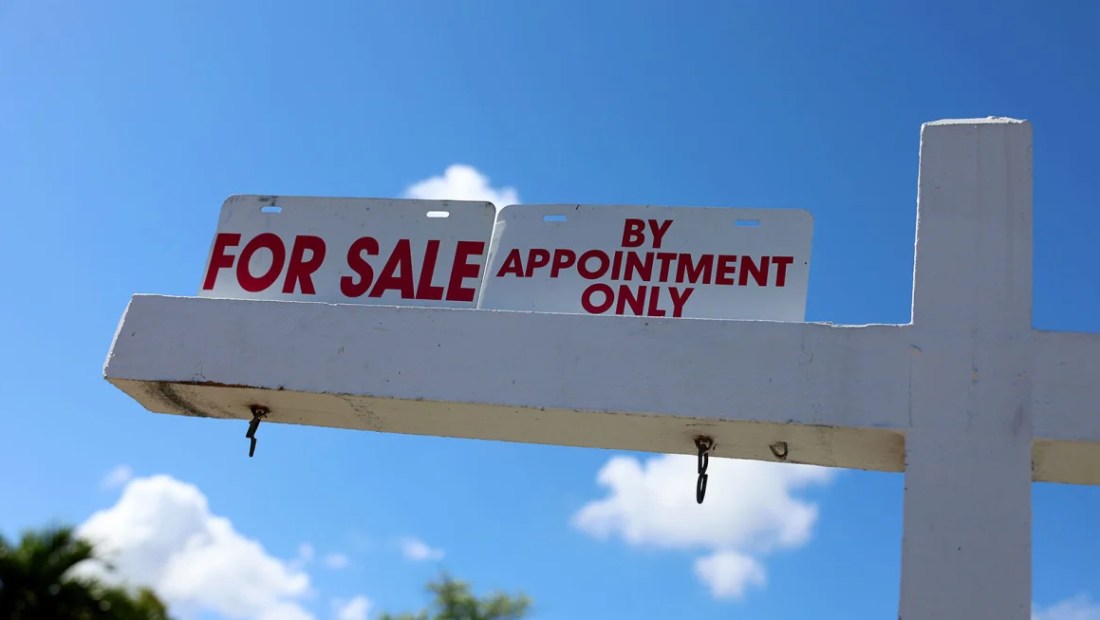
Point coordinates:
[(350, 250), (718, 263)]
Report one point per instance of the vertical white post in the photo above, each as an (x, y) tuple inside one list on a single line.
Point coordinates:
[(966, 551)]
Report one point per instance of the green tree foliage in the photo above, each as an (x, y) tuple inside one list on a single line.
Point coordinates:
[(453, 600), (37, 581)]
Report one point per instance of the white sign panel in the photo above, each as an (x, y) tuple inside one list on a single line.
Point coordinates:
[(350, 250), (718, 263)]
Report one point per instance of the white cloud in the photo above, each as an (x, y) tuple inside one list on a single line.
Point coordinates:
[(462, 182), (750, 511), (419, 551), (305, 553), (728, 573), (1080, 607), (162, 534), (337, 560), (355, 609), (117, 477)]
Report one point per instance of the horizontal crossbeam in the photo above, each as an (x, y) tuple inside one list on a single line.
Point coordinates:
[(837, 395), (1066, 407), (968, 399)]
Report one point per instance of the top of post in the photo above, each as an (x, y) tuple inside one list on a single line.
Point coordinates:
[(973, 257), (989, 120)]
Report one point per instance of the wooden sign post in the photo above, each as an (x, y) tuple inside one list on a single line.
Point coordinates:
[(969, 400)]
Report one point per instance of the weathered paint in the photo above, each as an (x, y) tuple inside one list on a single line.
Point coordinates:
[(966, 549), (830, 404), (968, 398)]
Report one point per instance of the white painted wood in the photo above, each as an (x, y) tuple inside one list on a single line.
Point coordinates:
[(802, 379), (1067, 386), (966, 551), (969, 399), (1066, 407)]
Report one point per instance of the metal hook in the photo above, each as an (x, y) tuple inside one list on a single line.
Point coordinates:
[(705, 445), (258, 414)]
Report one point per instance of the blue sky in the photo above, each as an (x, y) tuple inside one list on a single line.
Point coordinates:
[(124, 125)]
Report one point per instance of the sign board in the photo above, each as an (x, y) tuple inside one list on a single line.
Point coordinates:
[(715, 263), (350, 250)]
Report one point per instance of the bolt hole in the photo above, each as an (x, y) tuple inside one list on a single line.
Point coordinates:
[(553, 218), (780, 450), (439, 214), (271, 209), (747, 223)]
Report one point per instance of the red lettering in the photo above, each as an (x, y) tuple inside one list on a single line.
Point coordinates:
[(665, 258), (424, 288), (749, 268), (659, 231), (633, 233), (627, 297), (397, 274), (593, 308), (219, 259), (685, 270), (462, 269), (634, 265), (536, 258), (593, 274), (270, 242), (513, 265), (563, 259), (300, 270), (725, 269), (617, 265), (781, 263), (654, 298), (679, 299), (348, 286)]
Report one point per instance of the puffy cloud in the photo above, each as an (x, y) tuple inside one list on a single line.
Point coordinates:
[(462, 182), (750, 511), (161, 533), (728, 573), (419, 551), (336, 560), (1080, 607), (117, 477), (355, 609)]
